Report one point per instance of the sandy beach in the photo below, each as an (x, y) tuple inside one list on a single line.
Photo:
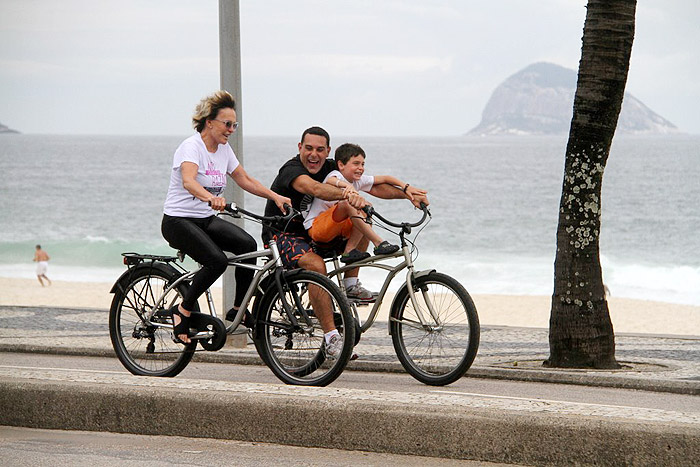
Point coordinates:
[(628, 315)]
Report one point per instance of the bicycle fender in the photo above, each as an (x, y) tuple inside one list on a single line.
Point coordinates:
[(417, 275), (124, 279), (262, 289)]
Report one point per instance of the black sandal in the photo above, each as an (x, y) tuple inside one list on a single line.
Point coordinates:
[(183, 327), (248, 320), (353, 256)]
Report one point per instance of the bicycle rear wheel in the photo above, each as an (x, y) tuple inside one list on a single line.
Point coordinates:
[(142, 347), (441, 350), (296, 354)]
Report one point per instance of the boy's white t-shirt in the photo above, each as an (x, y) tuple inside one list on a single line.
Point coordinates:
[(211, 174), (365, 183)]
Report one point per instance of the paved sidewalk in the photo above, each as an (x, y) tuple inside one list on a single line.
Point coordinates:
[(652, 362), (438, 423)]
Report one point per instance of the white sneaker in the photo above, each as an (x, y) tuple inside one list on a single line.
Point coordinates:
[(357, 292), (334, 346)]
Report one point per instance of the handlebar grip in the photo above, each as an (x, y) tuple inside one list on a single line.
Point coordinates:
[(289, 214), (231, 207)]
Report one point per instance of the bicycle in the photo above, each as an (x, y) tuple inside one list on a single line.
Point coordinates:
[(433, 323), (286, 333)]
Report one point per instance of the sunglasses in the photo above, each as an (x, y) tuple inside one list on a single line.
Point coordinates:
[(229, 124)]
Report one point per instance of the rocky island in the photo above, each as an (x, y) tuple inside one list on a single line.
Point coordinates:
[(539, 100), (4, 129)]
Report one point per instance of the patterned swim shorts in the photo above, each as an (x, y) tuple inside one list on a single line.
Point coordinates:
[(292, 248)]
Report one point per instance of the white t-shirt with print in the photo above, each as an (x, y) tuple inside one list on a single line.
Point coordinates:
[(211, 174), (365, 183)]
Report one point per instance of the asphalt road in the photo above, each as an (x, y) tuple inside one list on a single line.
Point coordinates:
[(497, 389), (37, 448)]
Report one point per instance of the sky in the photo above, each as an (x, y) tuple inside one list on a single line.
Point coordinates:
[(357, 68)]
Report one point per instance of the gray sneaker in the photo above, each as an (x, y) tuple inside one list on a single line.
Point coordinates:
[(334, 347), (357, 292)]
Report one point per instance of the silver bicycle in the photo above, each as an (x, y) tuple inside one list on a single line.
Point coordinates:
[(286, 331), (433, 322)]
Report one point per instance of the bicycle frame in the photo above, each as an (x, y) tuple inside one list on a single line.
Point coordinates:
[(411, 274), (272, 266), (235, 261)]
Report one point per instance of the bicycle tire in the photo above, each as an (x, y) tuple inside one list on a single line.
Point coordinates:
[(436, 355), (144, 349), (295, 355)]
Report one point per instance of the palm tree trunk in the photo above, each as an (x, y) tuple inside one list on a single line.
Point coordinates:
[(580, 331)]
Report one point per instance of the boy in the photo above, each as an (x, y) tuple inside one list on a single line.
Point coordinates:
[(328, 220)]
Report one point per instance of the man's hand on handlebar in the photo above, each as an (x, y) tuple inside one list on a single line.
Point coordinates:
[(414, 192), (419, 199), (357, 201), (282, 203)]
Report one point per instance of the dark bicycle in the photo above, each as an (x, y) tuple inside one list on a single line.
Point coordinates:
[(287, 333)]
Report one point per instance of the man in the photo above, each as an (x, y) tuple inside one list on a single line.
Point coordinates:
[(42, 264), (301, 179)]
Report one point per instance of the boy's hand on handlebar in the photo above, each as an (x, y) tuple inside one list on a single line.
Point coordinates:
[(217, 203)]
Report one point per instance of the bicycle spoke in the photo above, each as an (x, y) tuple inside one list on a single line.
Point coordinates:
[(144, 348), (296, 354), (440, 351)]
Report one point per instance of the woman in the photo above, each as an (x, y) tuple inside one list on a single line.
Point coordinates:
[(197, 182)]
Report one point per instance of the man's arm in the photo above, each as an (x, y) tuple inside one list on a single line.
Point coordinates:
[(342, 184), (309, 186), (382, 179), (387, 191)]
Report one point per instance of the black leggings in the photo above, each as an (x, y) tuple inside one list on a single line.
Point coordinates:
[(205, 241)]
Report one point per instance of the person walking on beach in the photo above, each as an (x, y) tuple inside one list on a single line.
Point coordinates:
[(197, 181), (42, 265), (301, 179)]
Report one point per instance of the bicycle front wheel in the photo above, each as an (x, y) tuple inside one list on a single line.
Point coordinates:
[(144, 348), (296, 354), (439, 348)]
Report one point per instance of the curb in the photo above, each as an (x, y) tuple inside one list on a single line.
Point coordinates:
[(348, 423), (530, 375)]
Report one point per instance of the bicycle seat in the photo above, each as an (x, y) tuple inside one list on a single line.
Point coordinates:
[(331, 249)]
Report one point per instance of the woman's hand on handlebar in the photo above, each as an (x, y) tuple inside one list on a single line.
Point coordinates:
[(217, 203)]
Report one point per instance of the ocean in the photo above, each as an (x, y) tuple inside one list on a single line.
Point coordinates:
[(494, 203)]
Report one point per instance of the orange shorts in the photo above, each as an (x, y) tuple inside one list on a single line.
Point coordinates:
[(324, 229)]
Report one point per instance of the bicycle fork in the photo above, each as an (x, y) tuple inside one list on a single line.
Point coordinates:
[(410, 285)]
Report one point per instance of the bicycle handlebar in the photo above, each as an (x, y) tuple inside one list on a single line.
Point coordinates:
[(234, 210), (372, 212)]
